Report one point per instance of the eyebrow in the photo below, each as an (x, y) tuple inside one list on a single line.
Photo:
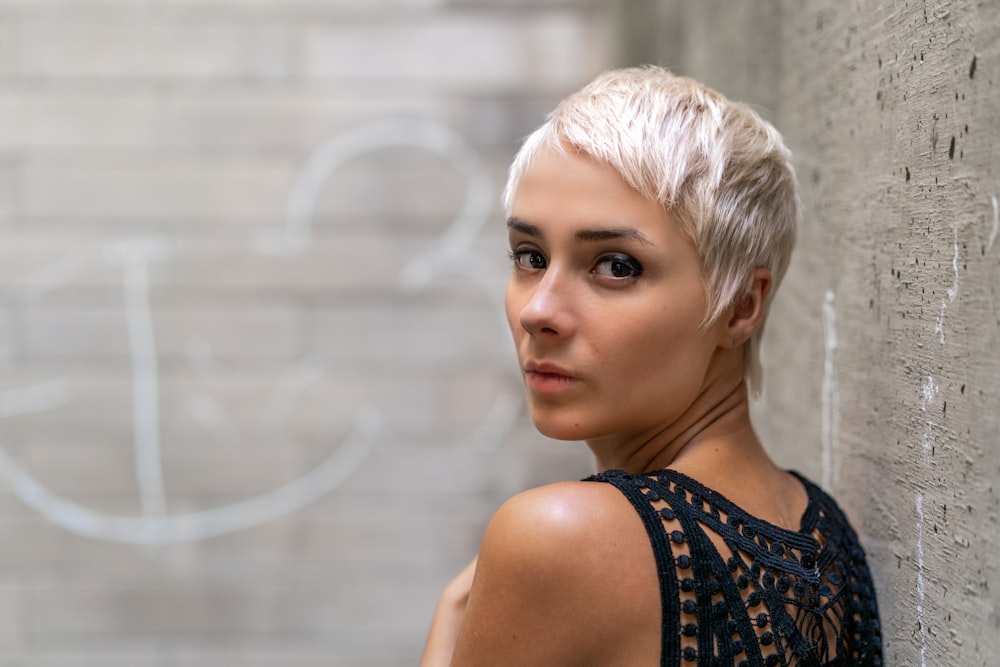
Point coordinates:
[(584, 235)]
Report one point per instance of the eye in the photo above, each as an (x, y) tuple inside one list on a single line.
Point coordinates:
[(527, 258), (618, 267)]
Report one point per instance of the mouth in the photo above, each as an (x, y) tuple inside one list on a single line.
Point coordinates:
[(546, 377)]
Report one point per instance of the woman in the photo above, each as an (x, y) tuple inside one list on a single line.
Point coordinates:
[(650, 222)]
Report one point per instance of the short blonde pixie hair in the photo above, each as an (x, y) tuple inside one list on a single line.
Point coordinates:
[(722, 171)]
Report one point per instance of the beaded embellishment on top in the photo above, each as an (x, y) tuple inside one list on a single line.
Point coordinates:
[(770, 596)]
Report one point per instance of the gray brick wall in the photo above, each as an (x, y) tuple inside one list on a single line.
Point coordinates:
[(182, 357)]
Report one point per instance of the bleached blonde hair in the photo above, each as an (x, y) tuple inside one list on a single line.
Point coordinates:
[(721, 170)]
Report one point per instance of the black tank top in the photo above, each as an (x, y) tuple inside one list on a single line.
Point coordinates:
[(772, 597)]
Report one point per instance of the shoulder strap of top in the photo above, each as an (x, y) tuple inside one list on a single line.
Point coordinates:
[(665, 566)]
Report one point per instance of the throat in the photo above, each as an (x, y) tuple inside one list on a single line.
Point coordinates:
[(708, 433)]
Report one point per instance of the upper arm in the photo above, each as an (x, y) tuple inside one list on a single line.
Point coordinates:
[(565, 576)]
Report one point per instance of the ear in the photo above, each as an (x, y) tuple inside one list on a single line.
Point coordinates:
[(747, 313)]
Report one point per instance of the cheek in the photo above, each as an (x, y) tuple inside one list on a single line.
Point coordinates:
[(663, 349)]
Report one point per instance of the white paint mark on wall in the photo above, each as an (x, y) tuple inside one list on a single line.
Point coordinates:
[(145, 380), (939, 326), (996, 223), (830, 396), (952, 291), (154, 526), (133, 258), (208, 523), (278, 406), (385, 133), (37, 398), (921, 588), (930, 391), (926, 443)]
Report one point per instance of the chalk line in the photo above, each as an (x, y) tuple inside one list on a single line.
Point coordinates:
[(939, 325), (145, 382), (930, 392), (392, 132), (153, 525), (952, 291), (36, 398), (152, 530)]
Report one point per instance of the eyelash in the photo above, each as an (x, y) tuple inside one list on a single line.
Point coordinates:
[(516, 256), (625, 260), (520, 253)]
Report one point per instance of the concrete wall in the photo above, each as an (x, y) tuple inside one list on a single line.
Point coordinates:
[(257, 400), (883, 378)]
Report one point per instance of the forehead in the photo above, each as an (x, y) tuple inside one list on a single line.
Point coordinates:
[(572, 188)]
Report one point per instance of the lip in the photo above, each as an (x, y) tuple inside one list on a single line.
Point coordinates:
[(546, 377)]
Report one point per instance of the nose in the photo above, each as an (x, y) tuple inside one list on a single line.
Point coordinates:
[(545, 307)]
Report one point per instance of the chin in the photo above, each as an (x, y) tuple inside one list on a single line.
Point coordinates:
[(561, 427)]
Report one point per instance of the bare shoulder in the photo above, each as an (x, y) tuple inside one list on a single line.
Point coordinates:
[(566, 514), (565, 575)]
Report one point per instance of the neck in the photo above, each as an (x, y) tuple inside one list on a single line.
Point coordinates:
[(716, 427)]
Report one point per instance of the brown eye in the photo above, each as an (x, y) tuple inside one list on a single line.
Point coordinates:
[(618, 267), (527, 258)]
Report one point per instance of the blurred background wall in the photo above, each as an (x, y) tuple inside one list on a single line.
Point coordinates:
[(257, 400)]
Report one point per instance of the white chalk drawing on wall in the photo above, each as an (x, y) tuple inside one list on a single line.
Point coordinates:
[(133, 257), (952, 292)]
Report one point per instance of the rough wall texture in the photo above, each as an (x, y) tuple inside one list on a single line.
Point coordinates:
[(883, 377), (898, 126)]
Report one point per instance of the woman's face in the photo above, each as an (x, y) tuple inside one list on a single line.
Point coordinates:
[(604, 302)]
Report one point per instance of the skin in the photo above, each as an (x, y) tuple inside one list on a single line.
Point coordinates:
[(605, 303)]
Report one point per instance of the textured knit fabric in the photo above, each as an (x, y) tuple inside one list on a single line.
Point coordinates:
[(770, 596)]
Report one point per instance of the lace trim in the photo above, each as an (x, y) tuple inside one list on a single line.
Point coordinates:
[(767, 596)]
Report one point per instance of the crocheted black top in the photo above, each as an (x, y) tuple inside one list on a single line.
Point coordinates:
[(771, 597)]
